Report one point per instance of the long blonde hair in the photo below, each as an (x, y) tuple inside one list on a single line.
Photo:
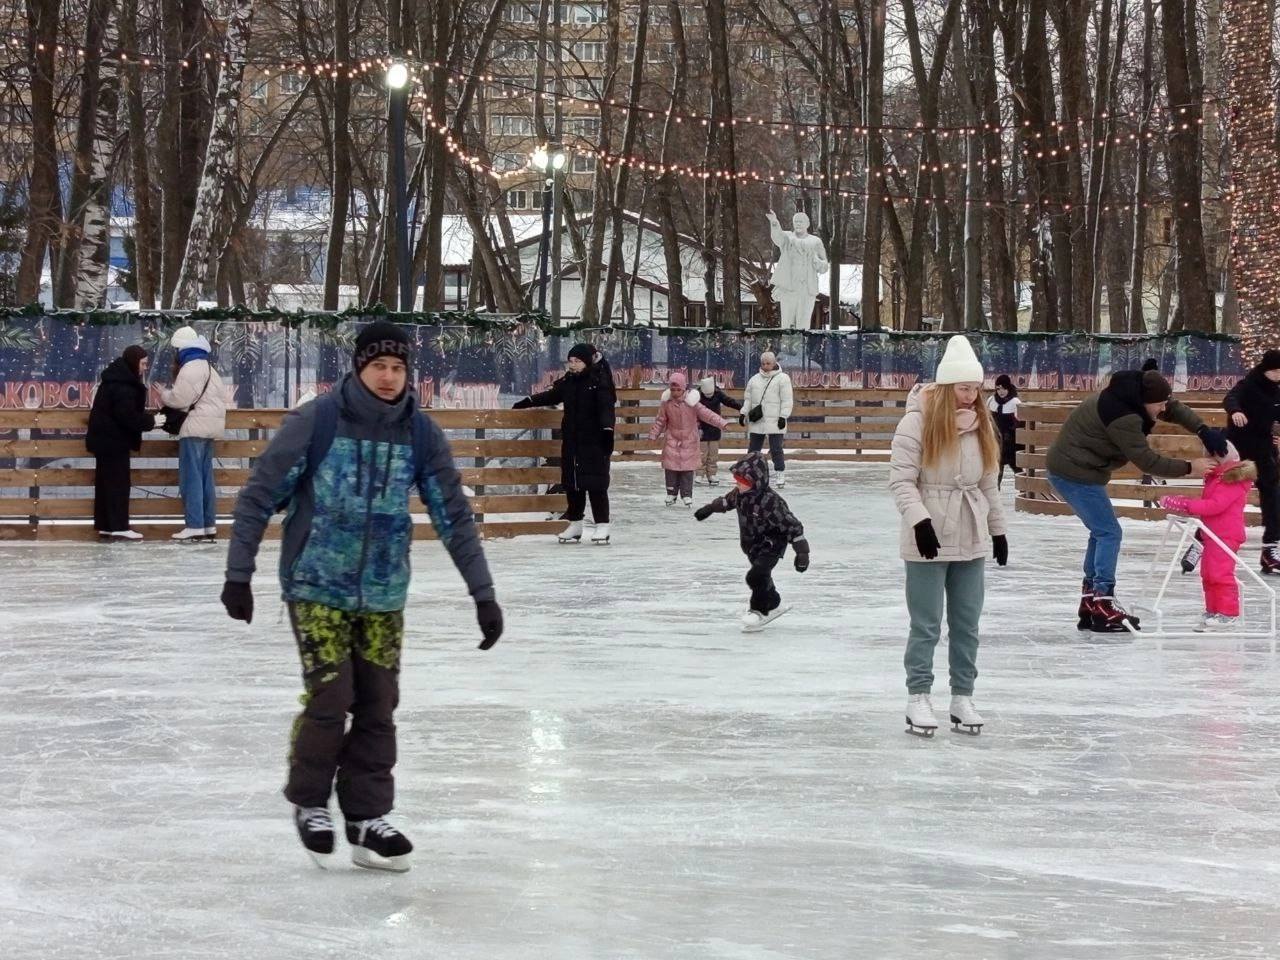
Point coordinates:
[(941, 437)]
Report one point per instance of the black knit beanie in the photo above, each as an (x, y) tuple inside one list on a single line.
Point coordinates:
[(1155, 388), (1151, 363), (381, 339), (584, 352), (134, 356), (1004, 381), (1270, 360)]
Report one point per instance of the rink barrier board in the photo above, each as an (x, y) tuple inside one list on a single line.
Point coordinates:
[(161, 532), (845, 425)]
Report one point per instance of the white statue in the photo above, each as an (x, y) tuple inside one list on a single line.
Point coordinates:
[(801, 261)]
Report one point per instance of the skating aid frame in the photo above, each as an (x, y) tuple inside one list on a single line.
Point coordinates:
[(1189, 527)]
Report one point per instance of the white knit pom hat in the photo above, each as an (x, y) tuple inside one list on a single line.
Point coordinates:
[(959, 363)]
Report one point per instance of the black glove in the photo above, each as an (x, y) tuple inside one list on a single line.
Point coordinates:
[(606, 439), (238, 599), (1215, 441), (782, 423), (703, 512), (489, 616), (742, 419), (1000, 549), (801, 547), (926, 540), (522, 404)]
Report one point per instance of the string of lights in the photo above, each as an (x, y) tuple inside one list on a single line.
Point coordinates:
[(515, 89)]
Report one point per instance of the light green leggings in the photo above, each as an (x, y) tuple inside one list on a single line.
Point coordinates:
[(960, 584)]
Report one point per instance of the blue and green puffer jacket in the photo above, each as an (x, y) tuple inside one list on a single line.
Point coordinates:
[(347, 530)]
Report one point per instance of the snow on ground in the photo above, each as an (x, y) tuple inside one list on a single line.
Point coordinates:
[(626, 776)]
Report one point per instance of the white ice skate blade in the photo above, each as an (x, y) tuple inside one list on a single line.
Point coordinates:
[(768, 619), (602, 542), (322, 860), (568, 539), (917, 731), (972, 729), (364, 857)]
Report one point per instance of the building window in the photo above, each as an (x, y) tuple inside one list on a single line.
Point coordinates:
[(258, 88), (586, 127), (291, 83), (582, 199), (506, 162), (518, 50), (510, 125), (517, 199), (520, 13), (583, 88), (760, 53), (583, 163), (659, 52), (588, 13), (589, 51)]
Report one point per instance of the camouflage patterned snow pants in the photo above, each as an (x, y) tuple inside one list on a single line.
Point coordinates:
[(350, 665)]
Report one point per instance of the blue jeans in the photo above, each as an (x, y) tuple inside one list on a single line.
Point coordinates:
[(195, 482), (1093, 507)]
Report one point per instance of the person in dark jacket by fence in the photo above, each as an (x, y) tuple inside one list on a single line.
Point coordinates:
[(586, 440), (1252, 408), (1003, 404), (117, 421), (713, 398)]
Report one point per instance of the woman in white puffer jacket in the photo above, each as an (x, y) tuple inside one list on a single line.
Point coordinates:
[(197, 388), (770, 390)]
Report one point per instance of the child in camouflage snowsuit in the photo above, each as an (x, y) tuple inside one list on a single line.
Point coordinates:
[(765, 526)]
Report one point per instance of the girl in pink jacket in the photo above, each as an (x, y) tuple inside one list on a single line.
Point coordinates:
[(678, 418), (1221, 509)]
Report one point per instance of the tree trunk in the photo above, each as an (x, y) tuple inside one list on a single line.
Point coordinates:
[(1255, 175), (1077, 271), (94, 248), (1000, 273), (619, 199), (873, 213), (591, 315), (1138, 243), (340, 184), (44, 206), (1046, 313), (219, 155), (966, 53), (144, 225), (666, 185), (1195, 301), (722, 114)]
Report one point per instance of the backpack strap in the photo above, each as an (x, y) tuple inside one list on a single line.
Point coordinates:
[(323, 429)]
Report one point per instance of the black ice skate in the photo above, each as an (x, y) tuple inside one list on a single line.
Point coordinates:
[(1110, 617), (1271, 560), (377, 845), (315, 830), (1085, 613)]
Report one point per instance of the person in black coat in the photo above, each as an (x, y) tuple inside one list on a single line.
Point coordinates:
[(1251, 406), (1003, 404), (117, 421), (586, 440), (713, 398)]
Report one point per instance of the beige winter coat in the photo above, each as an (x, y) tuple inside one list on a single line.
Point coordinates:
[(960, 499), (208, 419)]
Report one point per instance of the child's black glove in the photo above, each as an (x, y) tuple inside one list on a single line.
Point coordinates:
[(522, 404), (1000, 549), (926, 540), (801, 548), (703, 512), (489, 616)]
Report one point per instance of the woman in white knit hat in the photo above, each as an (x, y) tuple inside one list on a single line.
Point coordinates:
[(766, 405), (943, 470)]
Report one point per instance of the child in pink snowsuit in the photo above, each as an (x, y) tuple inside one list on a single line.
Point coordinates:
[(678, 418), (1221, 509)]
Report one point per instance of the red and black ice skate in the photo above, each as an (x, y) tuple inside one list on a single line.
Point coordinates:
[(1109, 617)]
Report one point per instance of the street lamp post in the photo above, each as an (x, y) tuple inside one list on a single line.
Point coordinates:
[(549, 161), (398, 88)]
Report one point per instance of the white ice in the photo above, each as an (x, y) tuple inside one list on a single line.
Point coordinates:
[(626, 776)]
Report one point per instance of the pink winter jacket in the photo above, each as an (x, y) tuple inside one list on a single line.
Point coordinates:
[(1221, 505), (678, 419)]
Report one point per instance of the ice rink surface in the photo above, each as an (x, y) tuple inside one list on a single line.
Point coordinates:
[(627, 775)]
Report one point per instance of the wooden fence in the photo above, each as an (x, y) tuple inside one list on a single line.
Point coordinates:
[(46, 474), (1131, 496)]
